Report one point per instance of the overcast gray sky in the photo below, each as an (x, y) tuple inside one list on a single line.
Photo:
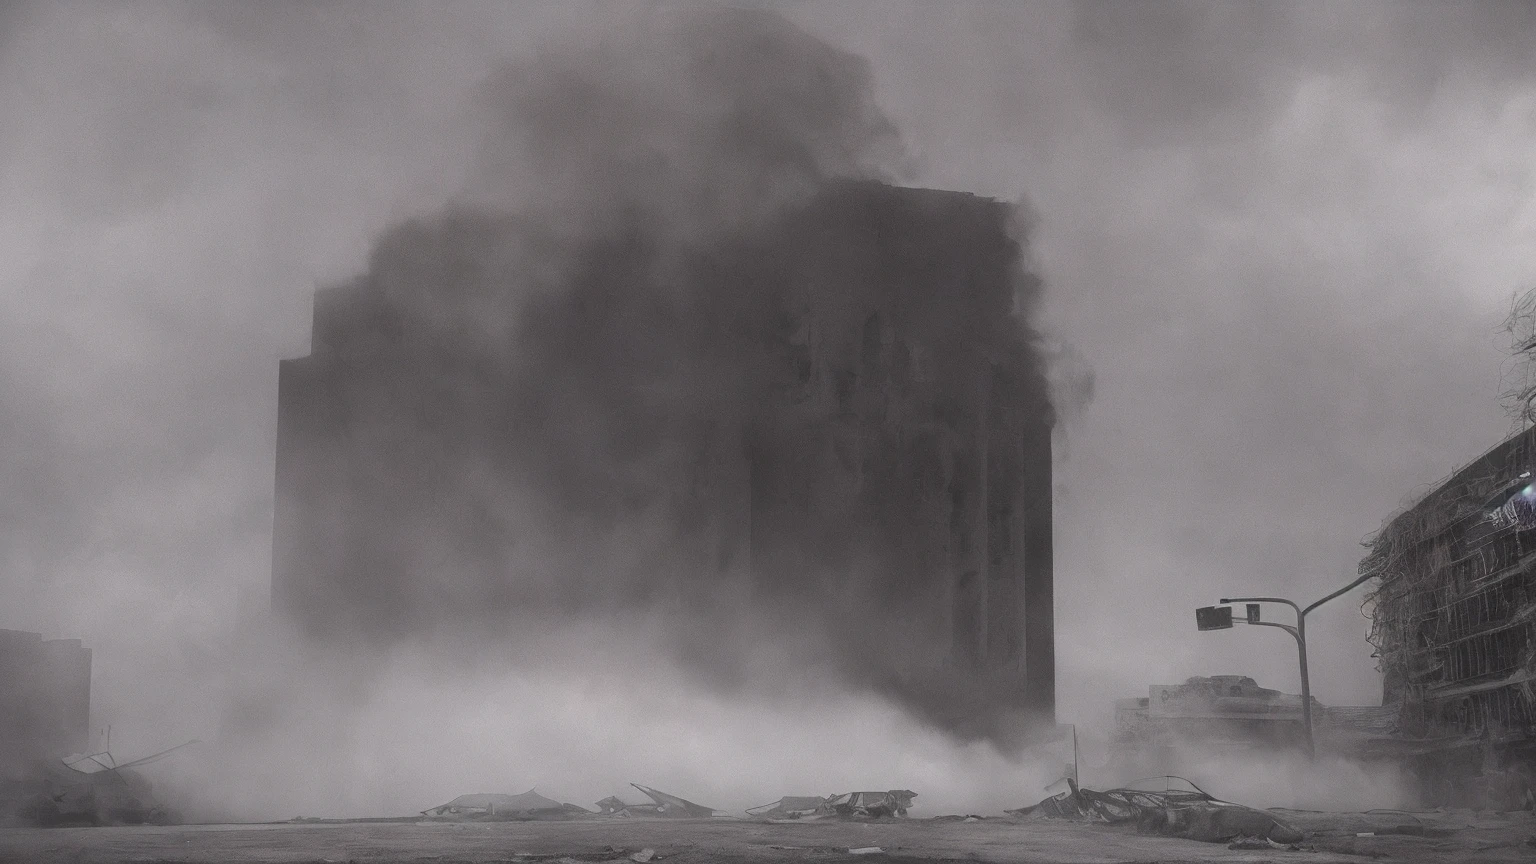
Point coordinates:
[(1282, 235)]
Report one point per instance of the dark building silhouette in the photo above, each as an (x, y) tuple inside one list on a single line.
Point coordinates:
[(890, 466), (907, 397), (45, 697)]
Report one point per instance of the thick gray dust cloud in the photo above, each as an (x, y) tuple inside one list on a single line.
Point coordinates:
[(543, 382)]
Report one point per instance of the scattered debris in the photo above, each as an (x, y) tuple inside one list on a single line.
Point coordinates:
[(671, 805), (615, 806), (866, 850), (1188, 813), (663, 804), (873, 805), (525, 807), (868, 805), (84, 789), (643, 855), (789, 807)]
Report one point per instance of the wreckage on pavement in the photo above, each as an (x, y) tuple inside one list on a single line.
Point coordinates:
[(1190, 813), (868, 805), (531, 806), (661, 804), (789, 807), (84, 789), (525, 807)]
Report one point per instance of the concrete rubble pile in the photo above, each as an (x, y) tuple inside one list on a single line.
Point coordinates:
[(1190, 813), (859, 805)]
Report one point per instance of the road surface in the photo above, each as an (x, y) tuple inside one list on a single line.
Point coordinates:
[(1332, 839)]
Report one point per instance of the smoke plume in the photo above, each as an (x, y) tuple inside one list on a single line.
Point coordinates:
[(544, 374)]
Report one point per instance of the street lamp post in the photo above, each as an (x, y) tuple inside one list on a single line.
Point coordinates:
[(1299, 633), (1220, 618)]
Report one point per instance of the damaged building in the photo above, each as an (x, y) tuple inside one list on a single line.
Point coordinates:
[(45, 698), (894, 463), (1231, 715), (1453, 618), (1221, 711)]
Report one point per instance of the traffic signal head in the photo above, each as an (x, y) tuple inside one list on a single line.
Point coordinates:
[(1214, 618)]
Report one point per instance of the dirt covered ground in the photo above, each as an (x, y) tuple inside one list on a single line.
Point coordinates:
[(1447, 836)]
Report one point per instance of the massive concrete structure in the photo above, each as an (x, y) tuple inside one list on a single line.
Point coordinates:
[(888, 473), (45, 697)]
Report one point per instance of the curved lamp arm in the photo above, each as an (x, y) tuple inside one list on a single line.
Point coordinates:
[(1295, 634), (1299, 613)]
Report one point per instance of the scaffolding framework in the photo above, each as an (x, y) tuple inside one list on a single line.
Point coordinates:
[(1453, 611)]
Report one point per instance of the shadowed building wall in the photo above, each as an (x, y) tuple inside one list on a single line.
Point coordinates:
[(45, 697), (910, 436)]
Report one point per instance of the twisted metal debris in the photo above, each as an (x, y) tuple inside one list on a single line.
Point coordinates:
[(1190, 813)]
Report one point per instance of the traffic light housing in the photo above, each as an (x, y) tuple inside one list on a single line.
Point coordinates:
[(1214, 618)]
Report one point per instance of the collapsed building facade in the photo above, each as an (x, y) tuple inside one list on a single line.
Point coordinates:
[(893, 468), (1454, 624)]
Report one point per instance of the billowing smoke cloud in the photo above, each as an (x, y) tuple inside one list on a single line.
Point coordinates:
[(697, 117), (543, 382)]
